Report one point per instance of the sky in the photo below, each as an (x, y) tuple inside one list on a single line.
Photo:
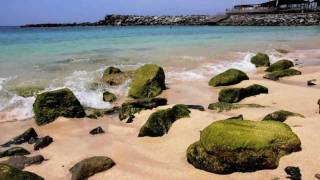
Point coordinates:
[(20, 12)]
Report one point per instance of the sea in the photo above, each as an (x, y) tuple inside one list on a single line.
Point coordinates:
[(75, 57)]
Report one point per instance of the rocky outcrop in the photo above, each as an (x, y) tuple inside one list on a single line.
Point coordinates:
[(90, 166), (160, 121), (276, 75), (21, 162), (283, 19), (229, 77), (11, 173), (134, 106), (148, 82), (14, 151), (234, 95), (280, 116), (229, 146), (223, 106), (22, 138), (260, 60), (50, 105), (114, 76), (280, 65)]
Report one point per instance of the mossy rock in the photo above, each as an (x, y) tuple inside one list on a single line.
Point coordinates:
[(114, 76), (242, 146), (22, 138), (109, 97), (280, 116), (53, 104), (11, 173), (160, 121), (95, 114), (234, 95), (90, 166), (280, 65), (14, 151), (135, 106), (260, 60), (229, 77), (275, 76), (148, 81), (223, 106), (27, 91)]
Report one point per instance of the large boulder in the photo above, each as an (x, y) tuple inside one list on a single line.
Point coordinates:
[(90, 166), (234, 95), (242, 146), (223, 106), (11, 173), (280, 116), (14, 151), (276, 75), (160, 121), (22, 138), (260, 60), (148, 81), (229, 77), (280, 65), (135, 106), (53, 104), (114, 76), (21, 162)]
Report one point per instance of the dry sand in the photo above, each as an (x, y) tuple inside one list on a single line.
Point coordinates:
[(165, 157)]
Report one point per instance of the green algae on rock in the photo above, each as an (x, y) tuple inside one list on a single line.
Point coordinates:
[(275, 76), (148, 81), (260, 60), (109, 97), (134, 106), (229, 146), (229, 77), (280, 116), (234, 95), (90, 166), (280, 65), (50, 105), (27, 91), (160, 121), (11, 173), (114, 76), (223, 106)]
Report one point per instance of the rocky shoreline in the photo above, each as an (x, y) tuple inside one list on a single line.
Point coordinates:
[(284, 19)]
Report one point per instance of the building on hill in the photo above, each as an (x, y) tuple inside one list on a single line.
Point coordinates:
[(277, 6)]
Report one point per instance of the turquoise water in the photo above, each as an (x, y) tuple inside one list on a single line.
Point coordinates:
[(75, 57)]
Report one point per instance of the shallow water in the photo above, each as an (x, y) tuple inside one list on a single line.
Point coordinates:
[(75, 57)]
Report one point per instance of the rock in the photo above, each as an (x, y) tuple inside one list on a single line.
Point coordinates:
[(280, 116), (229, 77), (90, 166), (27, 91), (317, 176), (32, 140), (109, 97), (293, 172), (134, 106), (99, 113), (11, 173), (229, 146), (196, 107), (53, 104), (14, 151), (22, 138), (319, 105), (148, 81), (96, 131), (43, 142), (311, 82), (130, 119), (223, 106), (20, 162), (114, 76), (234, 95), (240, 117), (275, 76), (280, 65), (160, 121), (260, 60)]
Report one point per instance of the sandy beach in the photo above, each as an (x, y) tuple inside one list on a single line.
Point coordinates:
[(165, 157)]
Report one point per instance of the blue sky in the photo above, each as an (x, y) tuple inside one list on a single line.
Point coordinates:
[(18, 12)]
